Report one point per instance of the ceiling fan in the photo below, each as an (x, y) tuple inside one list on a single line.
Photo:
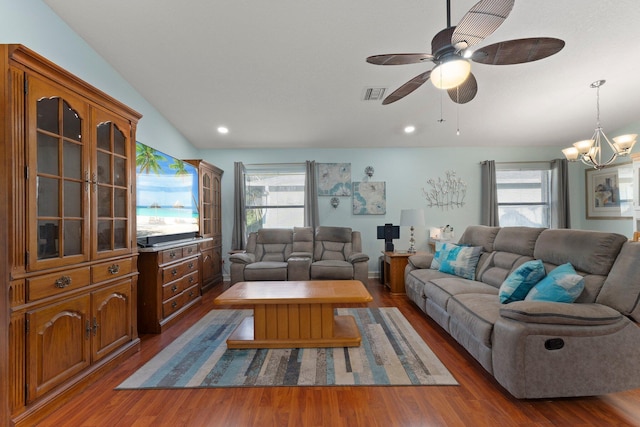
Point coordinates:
[(451, 54)]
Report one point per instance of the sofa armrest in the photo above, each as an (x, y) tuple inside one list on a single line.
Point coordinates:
[(357, 257), (242, 258), (421, 261), (558, 313)]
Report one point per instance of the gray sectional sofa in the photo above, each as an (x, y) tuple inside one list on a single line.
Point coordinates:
[(542, 349), (329, 253)]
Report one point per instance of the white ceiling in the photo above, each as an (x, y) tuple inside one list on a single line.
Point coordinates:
[(290, 73)]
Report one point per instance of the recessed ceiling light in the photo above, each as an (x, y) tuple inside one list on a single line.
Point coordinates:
[(223, 130), (409, 129)]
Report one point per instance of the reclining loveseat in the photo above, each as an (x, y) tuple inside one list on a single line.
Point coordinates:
[(535, 346), (331, 253)]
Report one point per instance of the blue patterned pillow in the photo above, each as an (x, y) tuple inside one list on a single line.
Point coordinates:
[(562, 284), (460, 260), (437, 256), (520, 281)]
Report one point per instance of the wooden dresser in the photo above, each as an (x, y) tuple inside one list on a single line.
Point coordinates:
[(169, 285)]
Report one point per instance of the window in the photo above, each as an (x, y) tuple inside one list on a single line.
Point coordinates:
[(524, 194), (274, 196)]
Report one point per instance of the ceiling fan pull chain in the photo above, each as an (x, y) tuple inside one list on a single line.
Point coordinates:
[(458, 110)]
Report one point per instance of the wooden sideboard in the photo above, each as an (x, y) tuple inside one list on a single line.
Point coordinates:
[(169, 286)]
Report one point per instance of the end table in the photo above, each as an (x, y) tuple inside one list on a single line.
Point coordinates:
[(393, 272)]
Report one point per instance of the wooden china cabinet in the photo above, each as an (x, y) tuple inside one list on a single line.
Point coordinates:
[(71, 261), (210, 190)]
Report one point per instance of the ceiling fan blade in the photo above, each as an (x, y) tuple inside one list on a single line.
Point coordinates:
[(518, 51), (480, 21), (464, 92), (407, 88), (399, 58)]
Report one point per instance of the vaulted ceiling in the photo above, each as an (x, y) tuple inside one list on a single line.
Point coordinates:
[(291, 73)]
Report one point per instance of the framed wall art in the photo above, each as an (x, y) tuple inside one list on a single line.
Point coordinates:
[(369, 198), (609, 192), (334, 179)]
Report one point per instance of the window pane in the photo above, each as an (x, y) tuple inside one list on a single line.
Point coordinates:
[(274, 198), (524, 197), (525, 216)]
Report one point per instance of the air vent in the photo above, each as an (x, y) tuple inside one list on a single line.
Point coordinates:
[(373, 93)]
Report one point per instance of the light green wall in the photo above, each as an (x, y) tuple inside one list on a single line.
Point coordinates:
[(405, 171), (33, 24)]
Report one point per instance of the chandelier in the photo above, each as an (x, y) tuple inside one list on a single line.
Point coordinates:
[(589, 151)]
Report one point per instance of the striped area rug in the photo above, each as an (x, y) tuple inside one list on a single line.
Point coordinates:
[(392, 353)]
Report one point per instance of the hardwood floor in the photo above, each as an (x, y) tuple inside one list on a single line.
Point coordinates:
[(477, 401)]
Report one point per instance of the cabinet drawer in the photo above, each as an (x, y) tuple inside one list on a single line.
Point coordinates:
[(172, 289), (174, 272), (111, 270), (171, 255), (171, 306), (190, 280), (187, 251), (55, 283), (191, 294)]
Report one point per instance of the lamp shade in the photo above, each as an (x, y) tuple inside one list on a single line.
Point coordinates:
[(412, 217), (451, 73)]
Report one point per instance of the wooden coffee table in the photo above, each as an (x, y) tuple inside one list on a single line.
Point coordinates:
[(295, 314)]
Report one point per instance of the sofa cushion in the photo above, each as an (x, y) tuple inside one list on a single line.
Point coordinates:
[(592, 252), (498, 267), (562, 284), (266, 270), (475, 313), (621, 289), (517, 240), (520, 281), (440, 290), (554, 313), (479, 235), (332, 270), (460, 260)]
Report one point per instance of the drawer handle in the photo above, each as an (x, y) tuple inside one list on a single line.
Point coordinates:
[(191, 293), (190, 250), (114, 269), (191, 279), (174, 288), (174, 272), (174, 304), (172, 254), (190, 265), (63, 282)]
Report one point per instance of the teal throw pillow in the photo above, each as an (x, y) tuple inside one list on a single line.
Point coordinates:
[(460, 260), (520, 281), (562, 284), (437, 256)]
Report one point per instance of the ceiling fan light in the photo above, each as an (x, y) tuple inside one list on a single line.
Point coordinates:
[(584, 146), (571, 153), (451, 73)]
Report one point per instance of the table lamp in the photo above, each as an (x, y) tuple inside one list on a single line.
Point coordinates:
[(412, 218)]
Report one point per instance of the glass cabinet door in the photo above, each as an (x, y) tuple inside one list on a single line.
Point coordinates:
[(57, 174), (111, 182)]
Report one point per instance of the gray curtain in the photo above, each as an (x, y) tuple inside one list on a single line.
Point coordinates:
[(239, 226), (488, 194), (560, 217), (311, 216)]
